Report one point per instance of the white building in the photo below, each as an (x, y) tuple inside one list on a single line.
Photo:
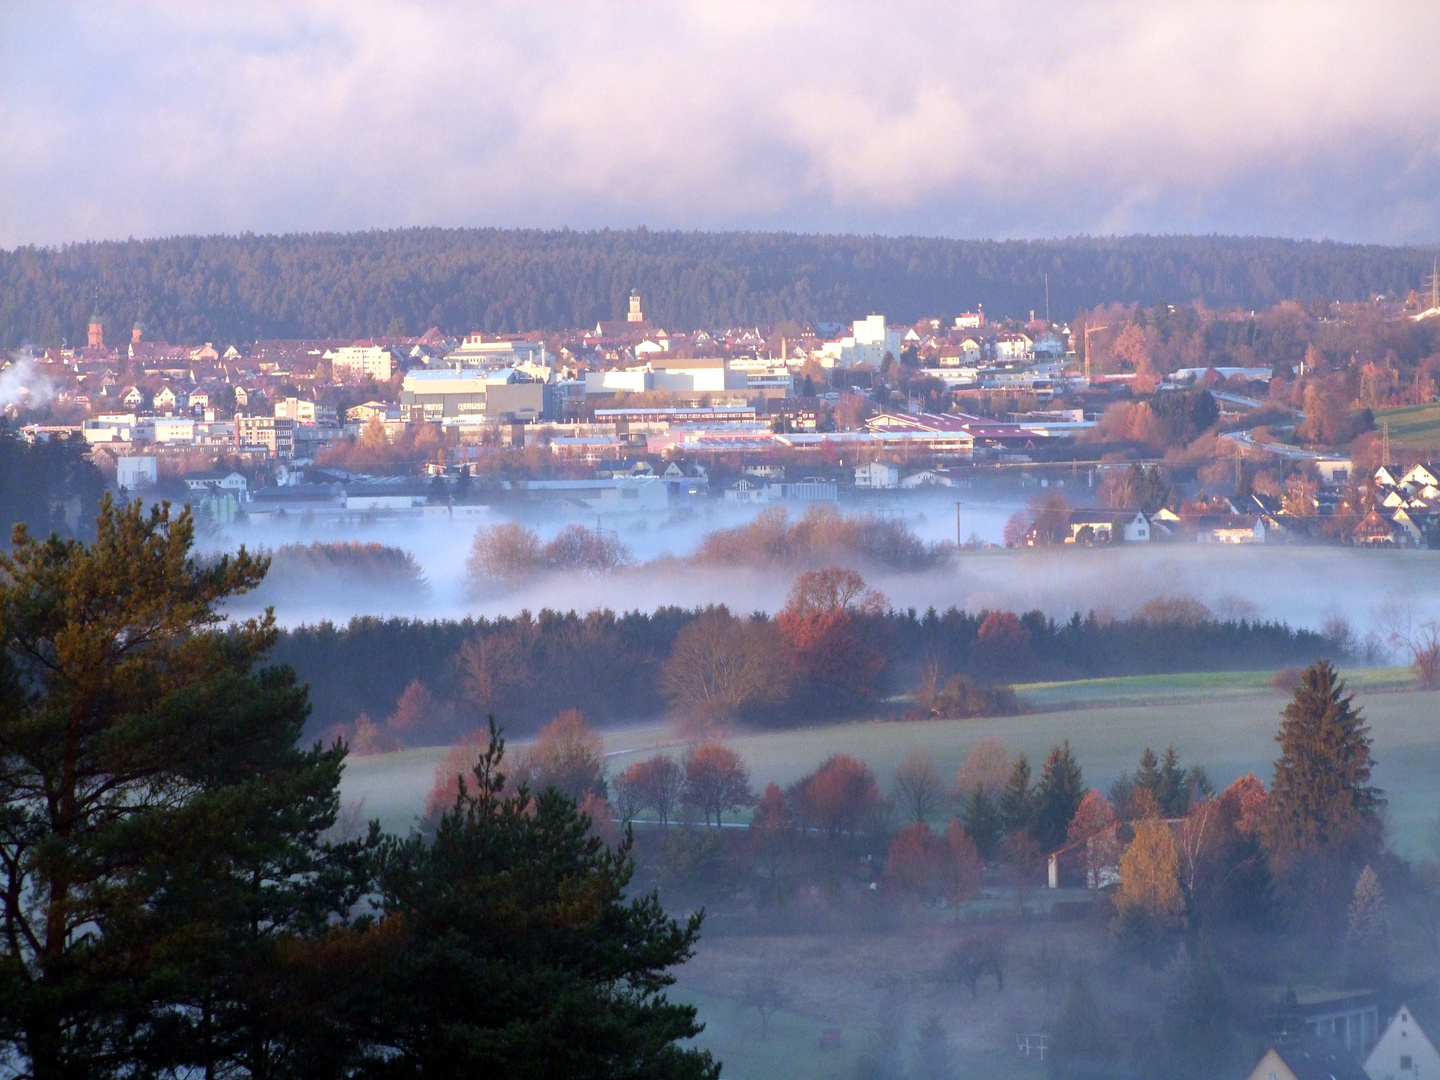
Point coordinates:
[(173, 430), (877, 475), (1404, 1052), (867, 343), (134, 473), (358, 361)]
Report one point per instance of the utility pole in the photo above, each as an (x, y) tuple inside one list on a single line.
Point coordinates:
[(1088, 331), (1047, 301), (1385, 442)]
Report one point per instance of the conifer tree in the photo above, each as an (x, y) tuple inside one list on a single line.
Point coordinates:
[(1365, 937), (1017, 801), (1057, 796), (159, 828), (1321, 800), (518, 953)]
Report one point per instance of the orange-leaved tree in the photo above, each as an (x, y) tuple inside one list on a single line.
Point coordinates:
[(823, 625)]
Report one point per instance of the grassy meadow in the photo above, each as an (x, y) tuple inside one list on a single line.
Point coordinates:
[(1412, 427), (1225, 721)]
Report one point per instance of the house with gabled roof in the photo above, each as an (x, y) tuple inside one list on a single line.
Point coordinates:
[(1404, 1051), (1307, 1059)]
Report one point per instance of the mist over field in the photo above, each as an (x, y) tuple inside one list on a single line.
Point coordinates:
[(1300, 585)]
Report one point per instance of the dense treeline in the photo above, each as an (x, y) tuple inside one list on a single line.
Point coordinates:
[(48, 486), (238, 288), (528, 668)]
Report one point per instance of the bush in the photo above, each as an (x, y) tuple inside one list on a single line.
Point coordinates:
[(962, 698)]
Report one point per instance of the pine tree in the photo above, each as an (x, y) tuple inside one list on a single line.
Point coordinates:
[(1321, 800), (1147, 774), (1198, 1036), (981, 815), (160, 853), (1082, 1047), (1173, 793), (520, 953), (1057, 796), (1017, 801)]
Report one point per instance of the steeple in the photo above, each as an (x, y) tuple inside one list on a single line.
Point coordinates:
[(97, 331), (635, 314)]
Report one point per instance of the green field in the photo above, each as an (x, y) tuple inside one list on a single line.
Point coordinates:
[(1412, 427), (1225, 721)]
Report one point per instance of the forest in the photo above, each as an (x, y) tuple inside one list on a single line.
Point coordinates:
[(241, 288), (833, 651)]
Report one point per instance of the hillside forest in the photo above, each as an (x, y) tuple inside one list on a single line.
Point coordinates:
[(242, 288)]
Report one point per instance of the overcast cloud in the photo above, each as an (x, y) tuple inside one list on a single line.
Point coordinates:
[(1005, 119)]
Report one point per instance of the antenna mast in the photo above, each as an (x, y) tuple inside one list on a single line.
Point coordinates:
[(1433, 284)]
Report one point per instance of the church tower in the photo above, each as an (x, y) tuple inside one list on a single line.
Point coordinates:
[(97, 332), (635, 315)]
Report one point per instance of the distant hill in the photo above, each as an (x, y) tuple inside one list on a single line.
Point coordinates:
[(239, 288)]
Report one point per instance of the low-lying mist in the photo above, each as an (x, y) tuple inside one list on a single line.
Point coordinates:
[(1297, 584)]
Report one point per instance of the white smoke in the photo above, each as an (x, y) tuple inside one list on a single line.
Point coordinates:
[(24, 386)]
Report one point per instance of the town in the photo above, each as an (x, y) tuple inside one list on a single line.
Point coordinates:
[(1084, 420)]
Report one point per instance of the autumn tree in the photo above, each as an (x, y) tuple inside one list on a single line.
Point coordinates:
[(838, 796), (929, 864), (721, 667), (988, 763), (1149, 903), (717, 781), (820, 624), (566, 756), (655, 784), (917, 790), (414, 709), (502, 553)]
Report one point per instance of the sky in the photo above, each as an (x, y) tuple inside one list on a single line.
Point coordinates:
[(1011, 119)]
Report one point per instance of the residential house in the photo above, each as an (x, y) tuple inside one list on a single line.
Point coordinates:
[(1307, 1059), (926, 478), (361, 360), (1228, 528), (1404, 1051), (878, 475), (746, 490), (220, 480), (1375, 530), (1107, 526), (132, 397)]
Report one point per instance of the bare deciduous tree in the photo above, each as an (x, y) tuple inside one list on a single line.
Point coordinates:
[(917, 790), (721, 665)]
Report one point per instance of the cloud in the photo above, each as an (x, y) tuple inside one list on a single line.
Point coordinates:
[(986, 119)]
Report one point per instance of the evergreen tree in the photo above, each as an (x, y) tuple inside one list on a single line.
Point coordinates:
[(159, 828), (1173, 791), (1017, 801), (519, 954), (1057, 796), (1198, 1037), (1147, 774), (1365, 938), (981, 815), (1321, 799)]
